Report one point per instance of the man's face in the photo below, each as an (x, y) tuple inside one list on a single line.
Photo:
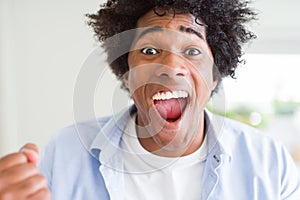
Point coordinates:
[(170, 78)]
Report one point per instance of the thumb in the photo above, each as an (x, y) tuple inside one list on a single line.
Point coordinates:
[(31, 151)]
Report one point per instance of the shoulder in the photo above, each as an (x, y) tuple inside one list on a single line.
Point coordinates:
[(239, 138), (67, 159), (247, 142), (72, 141), (262, 155), (257, 157), (70, 144), (241, 131), (79, 134)]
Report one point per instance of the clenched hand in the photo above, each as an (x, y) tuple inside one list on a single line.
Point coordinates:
[(20, 178)]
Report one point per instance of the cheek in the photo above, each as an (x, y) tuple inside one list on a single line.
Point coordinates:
[(143, 106), (135, 74), (205, 69), (202, 79), (138, 78), (138, 96), (203, 75), (141, 73)]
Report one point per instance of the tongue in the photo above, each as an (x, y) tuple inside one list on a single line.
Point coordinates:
[(169, 109)]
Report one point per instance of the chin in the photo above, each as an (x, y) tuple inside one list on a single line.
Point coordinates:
[(173, 140)]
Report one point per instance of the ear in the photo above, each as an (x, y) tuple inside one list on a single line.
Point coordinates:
[(125, 80), (215, 83), (214, 86)]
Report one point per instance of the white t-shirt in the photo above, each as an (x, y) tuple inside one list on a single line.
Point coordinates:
[(152, 177)]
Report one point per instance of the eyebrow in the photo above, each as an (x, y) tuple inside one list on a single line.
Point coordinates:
[(150, 30), (190, 30), (160, 29)]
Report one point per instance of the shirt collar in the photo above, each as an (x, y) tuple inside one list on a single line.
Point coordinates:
[(110, 134), (216, 128), (109, 137)]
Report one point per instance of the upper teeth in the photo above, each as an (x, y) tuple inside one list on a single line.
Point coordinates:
[(169, 95)]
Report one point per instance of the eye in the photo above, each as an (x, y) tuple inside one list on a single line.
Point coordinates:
[(149, 51), (192, 52)]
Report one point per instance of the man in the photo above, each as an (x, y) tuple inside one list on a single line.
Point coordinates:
[(171, 56)]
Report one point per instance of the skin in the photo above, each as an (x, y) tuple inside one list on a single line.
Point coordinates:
[(157, 63), (20, 178)]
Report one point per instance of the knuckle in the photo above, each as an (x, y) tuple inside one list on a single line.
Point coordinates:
[(46, 193), (12, 158), (43, 194), (32, 167), (2, 184), (41, 179), (6, 195), (17, 174), (36, 181), (6, 177)]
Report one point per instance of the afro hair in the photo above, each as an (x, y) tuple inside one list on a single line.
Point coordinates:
[(225, 31)]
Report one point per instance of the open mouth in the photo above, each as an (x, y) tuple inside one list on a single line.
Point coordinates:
[(170, 104)]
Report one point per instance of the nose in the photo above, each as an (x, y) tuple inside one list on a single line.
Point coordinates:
[(171, 66)]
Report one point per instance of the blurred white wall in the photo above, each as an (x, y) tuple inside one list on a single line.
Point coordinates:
[(8, 87), (42, 47), (277, 27)]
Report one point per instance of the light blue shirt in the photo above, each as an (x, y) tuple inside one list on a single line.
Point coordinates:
[(242, 163)]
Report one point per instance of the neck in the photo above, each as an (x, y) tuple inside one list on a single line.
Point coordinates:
[(150, 144)]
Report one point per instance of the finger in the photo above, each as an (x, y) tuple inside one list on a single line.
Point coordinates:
[(31, 155), (43, 194), (31, 146), (17, 174), (24, 189), (31, 151), (12, 160)]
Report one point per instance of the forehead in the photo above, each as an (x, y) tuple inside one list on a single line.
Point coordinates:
[(171, 21)]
